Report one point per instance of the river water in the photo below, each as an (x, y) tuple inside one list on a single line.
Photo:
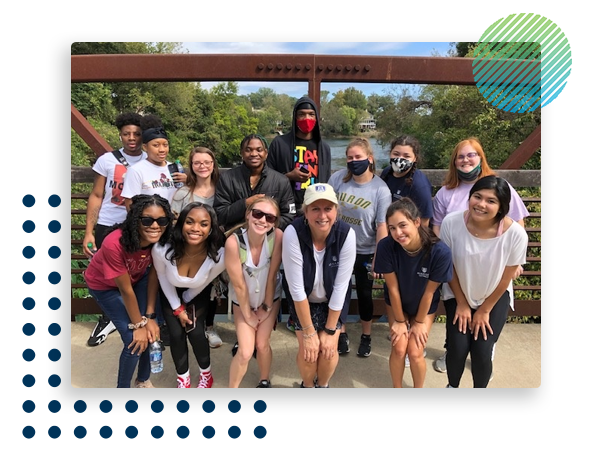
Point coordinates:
[(338, 152)]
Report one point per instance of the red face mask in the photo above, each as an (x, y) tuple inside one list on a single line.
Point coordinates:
[(306, 125)]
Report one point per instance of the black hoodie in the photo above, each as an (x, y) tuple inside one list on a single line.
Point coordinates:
[(283, 156)]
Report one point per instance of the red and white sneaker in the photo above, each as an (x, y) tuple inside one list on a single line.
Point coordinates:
[(206, 380), (183, 381)]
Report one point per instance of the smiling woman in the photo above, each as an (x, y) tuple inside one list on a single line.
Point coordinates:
[(118, 277), (186, 267)]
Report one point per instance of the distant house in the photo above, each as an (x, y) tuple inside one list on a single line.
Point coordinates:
[(367, 124)]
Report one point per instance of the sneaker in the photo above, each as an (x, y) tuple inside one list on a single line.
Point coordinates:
[(145, 384), (264, 384), (407, 361), (364, 349), (183, 381), (440, 363), (343, 344), (290, 325), (214, 341), (302, 385), (104, 327), (491, 377), (206, 380), (165, 337)]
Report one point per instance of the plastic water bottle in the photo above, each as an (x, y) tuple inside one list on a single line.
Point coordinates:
[(369, 268), (91, 248), (181, 170), (156, 361)]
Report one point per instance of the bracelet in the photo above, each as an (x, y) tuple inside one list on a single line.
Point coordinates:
[(307, 327), (151, 316), (142, 323), (308, 336), (400, 322), (265, 308), (178, 310), (420, 322)]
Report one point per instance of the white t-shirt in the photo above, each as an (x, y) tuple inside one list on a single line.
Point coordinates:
[(113, 209), (292, 266), (480, 263), (256, 276), (169, 278), (146, 178)]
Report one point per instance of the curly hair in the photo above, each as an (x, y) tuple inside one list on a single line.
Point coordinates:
[(128, 118), (150, 121), (410, 210), (130, 239), (214, 241)]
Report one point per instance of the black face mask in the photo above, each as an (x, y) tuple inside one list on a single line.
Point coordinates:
[(358, 167), (471, 175)]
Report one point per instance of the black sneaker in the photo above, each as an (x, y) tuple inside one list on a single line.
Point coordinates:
[(302, 385), (343, 344), (165, 337), (104, 327), (264, 384), (364, 349)]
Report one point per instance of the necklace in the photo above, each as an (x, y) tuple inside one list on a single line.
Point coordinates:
[(412, 253), (254, 183), (195, 255)]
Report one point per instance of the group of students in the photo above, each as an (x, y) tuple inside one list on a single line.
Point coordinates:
[(282, 208)]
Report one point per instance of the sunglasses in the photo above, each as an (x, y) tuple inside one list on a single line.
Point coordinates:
[(148, 221), (270, 218)]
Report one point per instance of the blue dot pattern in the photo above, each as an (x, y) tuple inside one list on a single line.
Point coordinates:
[(52, 408)]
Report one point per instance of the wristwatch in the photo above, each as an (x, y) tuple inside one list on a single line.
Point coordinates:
[(151, 316), (329, 331)]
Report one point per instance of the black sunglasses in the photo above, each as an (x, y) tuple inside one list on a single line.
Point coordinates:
[(148, 221), (270, 218)]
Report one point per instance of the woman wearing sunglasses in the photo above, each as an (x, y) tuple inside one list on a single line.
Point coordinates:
[(252, 259), (468, 163), (186, 267), (117, 278)]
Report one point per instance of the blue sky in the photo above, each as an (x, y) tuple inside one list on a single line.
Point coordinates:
[(297, 89)]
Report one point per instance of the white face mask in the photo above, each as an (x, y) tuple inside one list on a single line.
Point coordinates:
[(400, 165)]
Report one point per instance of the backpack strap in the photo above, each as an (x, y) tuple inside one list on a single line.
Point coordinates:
[(120, 158)]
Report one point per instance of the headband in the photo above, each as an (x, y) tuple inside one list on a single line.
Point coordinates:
[(154, 133)]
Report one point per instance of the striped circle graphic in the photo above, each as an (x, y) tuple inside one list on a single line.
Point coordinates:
[(522, 62)]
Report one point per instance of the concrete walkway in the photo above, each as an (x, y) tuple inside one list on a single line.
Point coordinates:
[(517, 363)]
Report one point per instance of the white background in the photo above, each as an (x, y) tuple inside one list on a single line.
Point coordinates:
[(556, 419)]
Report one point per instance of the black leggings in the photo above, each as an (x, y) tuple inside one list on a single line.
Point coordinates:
[(364, 287), (460, 345), (179, 338)]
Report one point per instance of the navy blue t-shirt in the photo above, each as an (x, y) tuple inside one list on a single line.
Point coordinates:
[(413, 273), (420, 191)]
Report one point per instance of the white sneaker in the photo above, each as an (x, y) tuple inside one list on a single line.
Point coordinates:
[(407, 361), (440, 364), (214, 341)]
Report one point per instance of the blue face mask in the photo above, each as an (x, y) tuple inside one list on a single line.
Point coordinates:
[(358, 167)]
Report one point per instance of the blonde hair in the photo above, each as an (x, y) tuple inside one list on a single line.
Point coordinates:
[(364, 144)]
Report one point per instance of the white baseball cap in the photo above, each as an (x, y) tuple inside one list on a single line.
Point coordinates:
[(319, 192)]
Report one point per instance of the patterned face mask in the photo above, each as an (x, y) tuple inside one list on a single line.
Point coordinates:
[(400, 165)]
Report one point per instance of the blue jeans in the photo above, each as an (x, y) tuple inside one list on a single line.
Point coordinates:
[(111, 303)]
